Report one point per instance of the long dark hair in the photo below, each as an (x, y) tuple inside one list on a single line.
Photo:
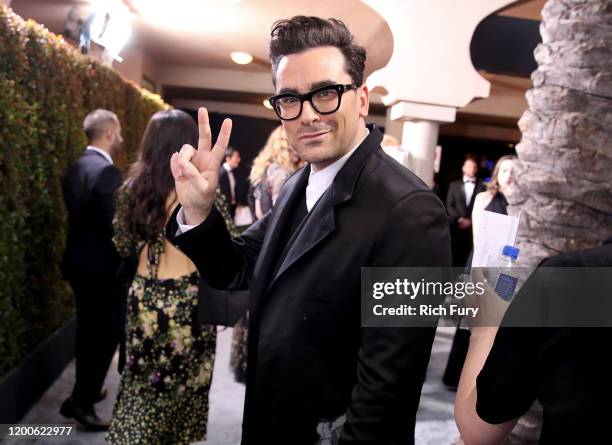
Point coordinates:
[(150, 180)]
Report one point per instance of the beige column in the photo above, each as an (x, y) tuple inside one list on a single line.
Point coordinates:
[(430, 73)]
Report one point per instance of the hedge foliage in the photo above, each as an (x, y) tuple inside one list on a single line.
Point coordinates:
[(46, 89)]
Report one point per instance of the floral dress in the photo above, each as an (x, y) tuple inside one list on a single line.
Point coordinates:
[(163, 393)]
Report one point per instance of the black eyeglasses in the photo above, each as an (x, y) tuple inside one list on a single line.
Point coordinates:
[(324, 100)]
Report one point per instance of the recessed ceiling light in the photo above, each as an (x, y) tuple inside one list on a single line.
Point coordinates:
[(266, 104), (241, 58)]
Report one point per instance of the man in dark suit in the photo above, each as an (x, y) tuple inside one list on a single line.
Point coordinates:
[(227, 179), (313, 372), (90, 263), (459, 204)]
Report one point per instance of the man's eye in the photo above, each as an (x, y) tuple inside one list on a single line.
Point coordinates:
[(288, 101), (326, 94)]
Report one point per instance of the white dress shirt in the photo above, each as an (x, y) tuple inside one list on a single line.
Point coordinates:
[(318, 182), (468, 185), (102, 152), (232, 181)]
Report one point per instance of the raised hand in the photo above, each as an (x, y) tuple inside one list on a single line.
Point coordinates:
[(196, 172)]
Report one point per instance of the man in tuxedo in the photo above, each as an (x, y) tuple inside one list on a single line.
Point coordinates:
[(314, 374), (227, 179), (90, 263), (459, 204)]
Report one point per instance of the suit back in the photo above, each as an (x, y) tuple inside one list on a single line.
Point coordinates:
[(89, 187)]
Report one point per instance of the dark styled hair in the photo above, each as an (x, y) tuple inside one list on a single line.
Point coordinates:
[(229, 151), (300, 33), (150, 179), (470, 157)]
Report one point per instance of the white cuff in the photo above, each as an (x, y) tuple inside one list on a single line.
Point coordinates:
[(182, 227)]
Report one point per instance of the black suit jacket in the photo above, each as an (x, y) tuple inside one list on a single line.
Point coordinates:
[(89, 187), (455, 200), (308, 357)]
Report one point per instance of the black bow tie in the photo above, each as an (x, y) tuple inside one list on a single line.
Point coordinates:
[(470, 181)]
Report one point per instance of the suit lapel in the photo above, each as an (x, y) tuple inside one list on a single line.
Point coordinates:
[(281, 216), (320, 223)]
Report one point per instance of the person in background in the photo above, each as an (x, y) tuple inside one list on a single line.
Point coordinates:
[(493, 198), (271, 168), (459, 204), (227, 179), (508, 368), (90, 263), (163, 394)]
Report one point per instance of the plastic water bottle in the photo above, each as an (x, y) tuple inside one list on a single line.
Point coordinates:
[(502, 276)]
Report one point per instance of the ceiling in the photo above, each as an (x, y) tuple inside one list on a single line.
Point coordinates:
[(205, 35), (204, 32), (201, 35)]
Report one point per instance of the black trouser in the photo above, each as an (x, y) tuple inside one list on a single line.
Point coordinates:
[(97, 336)]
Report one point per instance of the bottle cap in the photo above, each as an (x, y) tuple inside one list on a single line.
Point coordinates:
[(511, 251)]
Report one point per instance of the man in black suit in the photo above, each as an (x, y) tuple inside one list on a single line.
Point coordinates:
[(459, 204), (227, 179), (90, 263), (313, 372)]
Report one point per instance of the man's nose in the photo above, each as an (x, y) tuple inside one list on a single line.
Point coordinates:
[(309, 114)]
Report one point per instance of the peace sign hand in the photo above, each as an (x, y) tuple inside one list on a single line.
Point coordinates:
[(196, 172)]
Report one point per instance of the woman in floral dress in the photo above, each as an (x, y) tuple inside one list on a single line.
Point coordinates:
[(163, 394)]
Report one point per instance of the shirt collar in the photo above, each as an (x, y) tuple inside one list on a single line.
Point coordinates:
[(102, 152), (227, 167), (319, 181), (468, 179)]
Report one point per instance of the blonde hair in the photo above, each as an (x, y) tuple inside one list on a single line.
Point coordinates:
[(277, 150)]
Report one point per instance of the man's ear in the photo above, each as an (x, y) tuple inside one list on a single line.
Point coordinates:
[(363, 94)]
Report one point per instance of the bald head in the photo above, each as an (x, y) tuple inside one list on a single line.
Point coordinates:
[(103, 130)]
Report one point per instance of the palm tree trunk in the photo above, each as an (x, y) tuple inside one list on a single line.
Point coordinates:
[(564, 174)]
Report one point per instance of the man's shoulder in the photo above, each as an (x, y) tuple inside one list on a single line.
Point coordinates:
[(395, 180), (91, 167), (88, 161)]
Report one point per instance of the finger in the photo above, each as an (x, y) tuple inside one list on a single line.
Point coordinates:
[(187, 152), (222, 141), (174, 166), (188, 170), (204, 140)]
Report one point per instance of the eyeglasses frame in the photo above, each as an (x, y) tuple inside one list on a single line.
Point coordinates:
[(339, 87)]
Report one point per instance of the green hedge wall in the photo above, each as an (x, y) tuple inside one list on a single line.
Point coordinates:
[(46, 89)]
